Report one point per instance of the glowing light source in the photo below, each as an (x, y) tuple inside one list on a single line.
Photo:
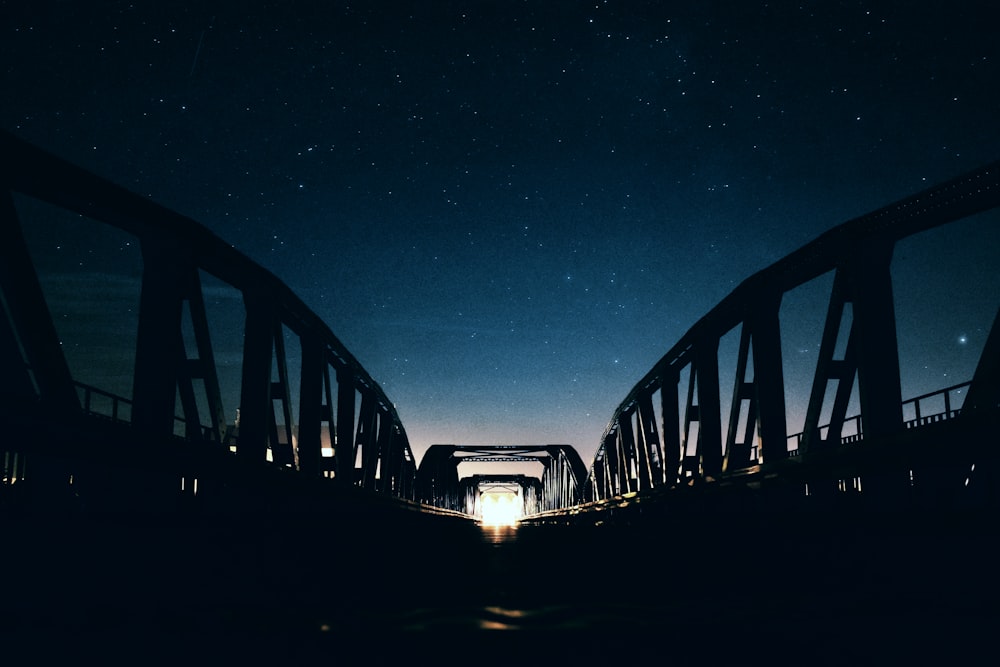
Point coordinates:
[(500, 509)]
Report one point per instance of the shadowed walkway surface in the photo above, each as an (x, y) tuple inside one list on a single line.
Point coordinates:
[(819, 585)]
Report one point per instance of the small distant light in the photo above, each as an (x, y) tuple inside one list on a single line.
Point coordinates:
[(963, 339)]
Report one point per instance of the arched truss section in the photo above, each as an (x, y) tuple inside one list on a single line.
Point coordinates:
[(345, 427), (437, 482), (560, 485), (689, 443), (562, 479), (527, 488)]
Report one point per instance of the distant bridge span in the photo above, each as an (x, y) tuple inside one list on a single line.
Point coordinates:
[(439, 484)]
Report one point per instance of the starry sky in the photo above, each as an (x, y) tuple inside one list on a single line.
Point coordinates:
[(509, 211)]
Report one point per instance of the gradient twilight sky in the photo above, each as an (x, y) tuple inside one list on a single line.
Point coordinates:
[(509, 211)]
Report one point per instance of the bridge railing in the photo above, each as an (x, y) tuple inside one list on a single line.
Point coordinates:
[(100, 403), (669, 430), (304, 402), (950, 397), (97, 402), (949, 406)]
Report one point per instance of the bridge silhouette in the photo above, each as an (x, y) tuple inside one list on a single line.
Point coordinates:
[(309, 491)]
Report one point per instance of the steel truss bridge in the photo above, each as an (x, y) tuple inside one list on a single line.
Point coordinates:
[(341, 427), (439, 483), (924, 449), (317, 449), (174, 427)]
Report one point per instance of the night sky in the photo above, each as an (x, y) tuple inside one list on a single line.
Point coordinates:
[(509, 211)]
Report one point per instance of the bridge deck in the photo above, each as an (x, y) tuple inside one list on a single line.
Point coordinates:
[(796, 584)]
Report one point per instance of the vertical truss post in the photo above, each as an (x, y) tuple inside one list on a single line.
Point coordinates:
[(313, 409), (984, 392), (650, 440), (345, 447), (689, 462), (738, 453), (205, 367), (871, 355), (704, 383), (769, 380), (409, 467), (160, 354), (879, 386), (625, 462), (200, 368), (595, 487), (13, 366), (559, 473), (630, 454), (367, 439), (566, 481), (612, 464), (571, 495), (669, 407), (710, 424), (386, 461), (610, 474), (765, 394), (407, 470), (547, 489), (30, 322), (982, 397), (163, 369), (827, 369), (282, 449), (256, 411), (329, 465), (562, 475)]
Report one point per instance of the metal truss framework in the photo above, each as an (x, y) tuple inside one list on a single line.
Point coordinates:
[(346, 429), (438, 482), (691, 445), (528, 488)]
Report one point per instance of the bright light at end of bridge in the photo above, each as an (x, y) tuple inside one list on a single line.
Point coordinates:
[(500, 509)]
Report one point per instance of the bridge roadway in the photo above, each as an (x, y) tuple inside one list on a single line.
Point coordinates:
[(832, 585)]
